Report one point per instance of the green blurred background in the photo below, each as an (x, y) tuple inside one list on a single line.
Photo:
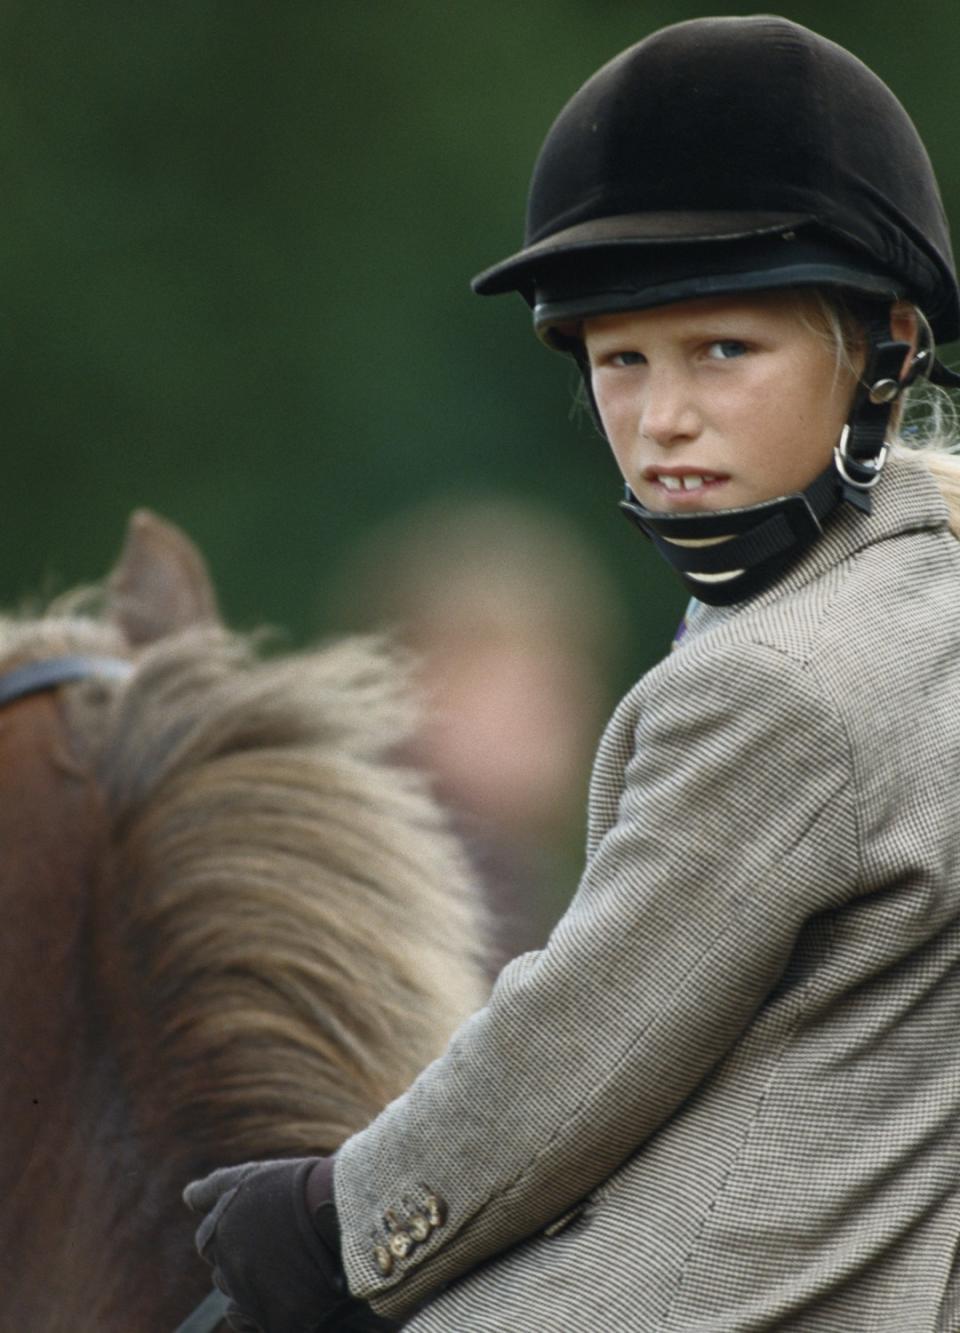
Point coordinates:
[(236, 243), (235, 247)]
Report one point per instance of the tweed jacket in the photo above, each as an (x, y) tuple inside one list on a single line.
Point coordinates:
[(724, 1097)]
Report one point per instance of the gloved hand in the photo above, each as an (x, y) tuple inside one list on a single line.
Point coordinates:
[(275, 1258)]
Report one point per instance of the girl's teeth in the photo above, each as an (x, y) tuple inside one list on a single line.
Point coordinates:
[(690, 482)]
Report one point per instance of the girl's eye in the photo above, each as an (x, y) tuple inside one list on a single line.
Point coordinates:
[(626, 359), (726, 350)]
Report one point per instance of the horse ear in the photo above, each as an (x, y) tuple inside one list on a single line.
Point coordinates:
[(160, 582)]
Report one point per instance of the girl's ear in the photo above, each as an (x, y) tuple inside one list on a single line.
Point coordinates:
[(905, 327)]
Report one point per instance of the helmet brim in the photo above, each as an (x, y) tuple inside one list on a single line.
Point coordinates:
[(515, 274)]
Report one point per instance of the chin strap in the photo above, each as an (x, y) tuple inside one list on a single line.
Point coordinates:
[(726, 555), (862, 449)]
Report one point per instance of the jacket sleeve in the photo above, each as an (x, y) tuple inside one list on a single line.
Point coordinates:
[(736, 824)]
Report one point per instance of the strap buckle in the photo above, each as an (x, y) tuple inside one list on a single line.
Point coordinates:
[(860, 473)]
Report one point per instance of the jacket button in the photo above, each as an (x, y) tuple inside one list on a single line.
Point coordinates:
[(436, 1210), (419, 1226), (384, 1259), (400, 1244)]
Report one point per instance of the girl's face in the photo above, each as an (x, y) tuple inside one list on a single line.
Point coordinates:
[(718, 403)]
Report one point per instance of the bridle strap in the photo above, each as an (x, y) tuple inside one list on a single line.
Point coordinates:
[(51, 672), (208, 1315)]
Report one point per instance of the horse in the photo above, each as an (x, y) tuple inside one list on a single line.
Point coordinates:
[(234, 925)]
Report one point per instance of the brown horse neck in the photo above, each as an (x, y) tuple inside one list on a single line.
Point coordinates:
[(52, 835), (63, 1267)]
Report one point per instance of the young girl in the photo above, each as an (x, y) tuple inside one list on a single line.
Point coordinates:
[(725, 1095)]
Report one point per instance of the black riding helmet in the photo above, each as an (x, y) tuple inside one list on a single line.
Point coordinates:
[(729, 155)]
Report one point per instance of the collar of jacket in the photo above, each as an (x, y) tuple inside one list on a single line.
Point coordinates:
[(906, 499)]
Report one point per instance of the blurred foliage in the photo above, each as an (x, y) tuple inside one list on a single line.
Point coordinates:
[(235, 251)]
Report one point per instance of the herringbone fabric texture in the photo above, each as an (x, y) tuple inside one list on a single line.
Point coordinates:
[(737, 1061)]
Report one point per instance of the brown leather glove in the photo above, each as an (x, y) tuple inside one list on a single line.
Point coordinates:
[(275, 1255)]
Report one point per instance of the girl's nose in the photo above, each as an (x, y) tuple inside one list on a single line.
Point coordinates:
[(668, 413)]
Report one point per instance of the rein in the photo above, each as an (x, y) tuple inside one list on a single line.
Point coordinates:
[(49, 674), (207, 1316)]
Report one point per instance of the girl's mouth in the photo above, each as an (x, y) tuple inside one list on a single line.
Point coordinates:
[(679, 484)]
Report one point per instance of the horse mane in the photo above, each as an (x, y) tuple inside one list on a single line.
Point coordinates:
[(284, 931)]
